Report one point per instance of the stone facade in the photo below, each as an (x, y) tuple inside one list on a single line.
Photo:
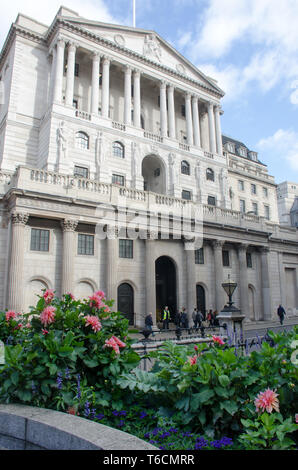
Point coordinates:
[(287, 194), (110, 141)]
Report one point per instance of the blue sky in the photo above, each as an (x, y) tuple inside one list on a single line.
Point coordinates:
[(249, 46)]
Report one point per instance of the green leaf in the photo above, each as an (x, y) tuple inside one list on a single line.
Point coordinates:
[(90, 362), (230, 406), (224, 380), (222, 392), (15, 377), (53, 369), (201, 398), (183, 403)]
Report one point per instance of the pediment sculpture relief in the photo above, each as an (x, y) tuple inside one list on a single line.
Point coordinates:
[(152, 47)]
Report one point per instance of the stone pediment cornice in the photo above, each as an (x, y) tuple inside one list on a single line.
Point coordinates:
[(77, 29)]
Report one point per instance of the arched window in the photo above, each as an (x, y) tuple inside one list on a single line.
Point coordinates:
[(82, 140), (210, 174), (185, 167), (118, 150)]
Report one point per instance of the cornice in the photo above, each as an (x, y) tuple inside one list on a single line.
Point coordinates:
[(60, 22)]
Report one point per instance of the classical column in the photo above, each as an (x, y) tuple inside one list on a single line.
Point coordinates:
[(70, 74), (15, 278), (218, 270), (265, 284), (188, 115), (105, 99), (163, 110), (190, 281), (196, 122), (137, 99), (59, 71), (112, 263), (244, 297), (127, 95), (95, 83), (68, 226), (171, 111), (211, 128), (150, 278), (52, 77), (218, 130)]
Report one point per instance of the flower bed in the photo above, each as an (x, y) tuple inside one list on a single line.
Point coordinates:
[(76, 356)]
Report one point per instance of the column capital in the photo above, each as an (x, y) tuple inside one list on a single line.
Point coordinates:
[(217, 244), (69, 225), (137, 72), (163, 84), (128, 69), (187, 95), (19, 218), (106, 60), (210, 105), (264, 250), (95, 55), (171, 87), (72, 46), (195, 98), (61, 41), (243, 246)]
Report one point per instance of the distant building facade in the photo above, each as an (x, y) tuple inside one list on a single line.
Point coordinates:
[(287, 193), (110, 142)]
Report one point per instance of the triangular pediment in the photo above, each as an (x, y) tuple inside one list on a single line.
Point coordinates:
[(147, 44)]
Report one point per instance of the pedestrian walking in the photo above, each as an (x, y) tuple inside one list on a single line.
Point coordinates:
[(281, 313), (210, 317), (194, 314), (166, 318), (184, 319), (199, 319), (149, 322)]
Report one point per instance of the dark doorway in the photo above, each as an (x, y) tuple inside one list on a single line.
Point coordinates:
[(126, 302), (166, 291), (201, 299)]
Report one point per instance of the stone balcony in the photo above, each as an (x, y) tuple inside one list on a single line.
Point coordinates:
[(107, 196)]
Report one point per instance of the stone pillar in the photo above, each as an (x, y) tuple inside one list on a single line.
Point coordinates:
[(196, 122), (59, 71), (137, 99), (171, 111), (112, 263), (218, 130), (127, 95), (243, 277), (163, 110), (150, 278), (265, 284), (68, 226), (70, 74), (95, 83), (15, 278), (52, 77), (188, 115), (211, 128), (218, 270), (190, 281), (105, 99)]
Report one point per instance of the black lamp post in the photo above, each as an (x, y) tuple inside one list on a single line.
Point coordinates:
[(229, 287)]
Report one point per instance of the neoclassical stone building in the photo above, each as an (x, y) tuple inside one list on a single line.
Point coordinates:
[(112, 162)]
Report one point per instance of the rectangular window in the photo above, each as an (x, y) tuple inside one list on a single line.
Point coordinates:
[(267, 212), (186, 194), (39, 239), (183, 110), (81, 171), (126, 249), (211, 201), (75, 104), (253, 189), (118, 179), (242, 206), (85, 244), (255, 208), (265, 192), (225, 258), (77, 69), (249, 260), (241, 185), (199, 256)]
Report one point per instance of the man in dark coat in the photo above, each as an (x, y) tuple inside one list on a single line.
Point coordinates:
[(149, 323), (281, 313)]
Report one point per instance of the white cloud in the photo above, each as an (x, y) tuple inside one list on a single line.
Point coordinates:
[(283, 145)]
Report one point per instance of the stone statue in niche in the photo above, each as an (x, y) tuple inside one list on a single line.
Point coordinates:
[(98, 154), (223, 178), (62, 141), (152, 47), (174, 175)]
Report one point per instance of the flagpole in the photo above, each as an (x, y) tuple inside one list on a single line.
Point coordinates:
[(134, 13)]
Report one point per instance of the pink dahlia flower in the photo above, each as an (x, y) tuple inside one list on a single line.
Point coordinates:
[(48, 296), (115, 343), (48, 316), (100, 294), (218, 339), (193, 360), (10, 315), (94, 322), (44, 332), (296, 418), (95, 301), (267, 401)]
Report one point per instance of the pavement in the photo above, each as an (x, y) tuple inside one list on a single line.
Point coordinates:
[(250, 329)]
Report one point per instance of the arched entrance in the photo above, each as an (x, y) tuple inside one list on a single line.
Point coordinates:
[(166, 290), (154, 174), (201, 299), (126, 301)]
